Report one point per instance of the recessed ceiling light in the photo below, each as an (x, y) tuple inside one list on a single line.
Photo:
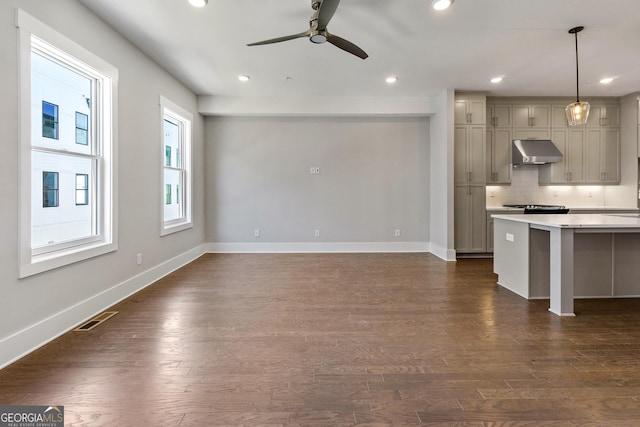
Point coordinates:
[(198, 3), (606, 81), (441, 4), (496, 80), (244, 78), (391, 79)]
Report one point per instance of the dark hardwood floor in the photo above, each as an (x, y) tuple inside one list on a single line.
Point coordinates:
[(339, 340)]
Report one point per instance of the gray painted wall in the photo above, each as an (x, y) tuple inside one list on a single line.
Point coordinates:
[(374, 178), (40, 299)]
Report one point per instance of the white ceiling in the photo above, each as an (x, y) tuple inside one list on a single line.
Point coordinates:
[(526, 41)]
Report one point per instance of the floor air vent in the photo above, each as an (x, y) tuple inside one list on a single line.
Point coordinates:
[(90, 324)]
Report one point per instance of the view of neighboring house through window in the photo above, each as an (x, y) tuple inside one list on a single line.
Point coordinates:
[(49, 189), (82, 128), (82, 189), (49, 120), (167, 194), (66, 182), (176, 142)]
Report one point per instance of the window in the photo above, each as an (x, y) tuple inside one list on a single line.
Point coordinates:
[(82, 189), (176, 143), (49, 120), (49, 189), (82, 128), (66, 103)]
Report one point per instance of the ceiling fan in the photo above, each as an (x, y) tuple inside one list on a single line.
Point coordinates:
[(317, 32)]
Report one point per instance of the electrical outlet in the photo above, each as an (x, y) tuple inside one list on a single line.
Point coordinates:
[(316, 232), (509, 237), (256, 232), (138, 259), (397, 232), (314, 170)]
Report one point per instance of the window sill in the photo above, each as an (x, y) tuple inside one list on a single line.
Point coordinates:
[(41, 263)]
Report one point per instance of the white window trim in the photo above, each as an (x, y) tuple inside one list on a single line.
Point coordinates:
[(184, 116), (31, 264)]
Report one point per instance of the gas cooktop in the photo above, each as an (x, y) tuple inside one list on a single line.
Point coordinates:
[(538, 209), (533, 206)]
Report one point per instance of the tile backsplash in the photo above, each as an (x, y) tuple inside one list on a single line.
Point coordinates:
[(524, 189)]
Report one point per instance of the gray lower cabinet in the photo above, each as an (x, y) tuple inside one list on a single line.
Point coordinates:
[(470, 219)]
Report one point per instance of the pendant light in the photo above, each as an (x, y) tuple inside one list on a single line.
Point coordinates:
[(577, 112)]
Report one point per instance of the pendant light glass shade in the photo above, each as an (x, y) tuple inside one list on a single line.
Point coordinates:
[(577, 112)]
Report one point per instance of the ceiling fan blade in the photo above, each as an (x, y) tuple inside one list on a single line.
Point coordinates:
[(281, 39), (325, 13), (347, 46)]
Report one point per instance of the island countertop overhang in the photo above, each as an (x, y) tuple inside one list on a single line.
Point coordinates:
[(576, 221)]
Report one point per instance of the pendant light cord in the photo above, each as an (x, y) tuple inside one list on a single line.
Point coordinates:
[(577, 70)]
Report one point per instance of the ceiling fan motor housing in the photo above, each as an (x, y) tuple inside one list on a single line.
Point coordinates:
[(316, 36)]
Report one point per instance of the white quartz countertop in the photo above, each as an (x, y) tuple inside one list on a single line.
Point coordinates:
[(571, 208), (613, 220)]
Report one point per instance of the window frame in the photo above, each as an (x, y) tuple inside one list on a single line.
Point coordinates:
[(35, 36), (184, 118)]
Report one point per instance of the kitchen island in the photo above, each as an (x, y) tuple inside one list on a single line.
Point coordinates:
[(562, 257)]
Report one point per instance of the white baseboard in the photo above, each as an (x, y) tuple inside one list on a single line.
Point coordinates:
[(326, 247), (29, 339), (443, 253)]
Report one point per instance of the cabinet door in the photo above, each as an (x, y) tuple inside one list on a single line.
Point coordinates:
[(502, 115), (592, 167), (460, 140), (558, 172), (558, 116), (476, 109), (611, 155), (612, 118), (575, 155), (501, 156), (476, 160), (541, 116), (521, 115), (460, 113), (478, 218), (470, 111), (462, 228), (597, 114), (489, 154), (470, 218)]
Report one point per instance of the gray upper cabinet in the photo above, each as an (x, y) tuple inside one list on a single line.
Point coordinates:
[(591, 153), (537, 116), (604, 116), (470, 110), (499, 116)]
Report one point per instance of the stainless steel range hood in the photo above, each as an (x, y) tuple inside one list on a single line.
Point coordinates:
[(534, 152)]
